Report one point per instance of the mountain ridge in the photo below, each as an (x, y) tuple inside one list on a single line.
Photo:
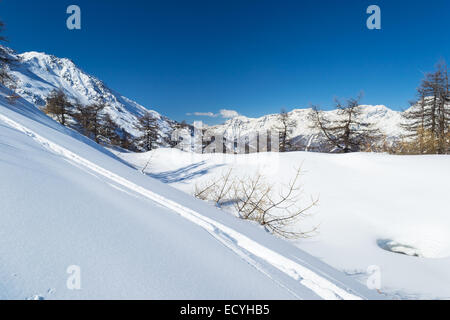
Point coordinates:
[(304, 135), (38, 73)]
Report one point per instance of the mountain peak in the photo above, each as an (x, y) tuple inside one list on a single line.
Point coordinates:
[(38, 73)]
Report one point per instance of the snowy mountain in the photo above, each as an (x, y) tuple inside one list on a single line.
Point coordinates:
[(37, 74), (69, 204), (304, 135)]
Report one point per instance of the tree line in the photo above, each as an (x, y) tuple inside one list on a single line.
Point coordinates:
[(426, 123), (428, 120), (6, 61), (92, 121)]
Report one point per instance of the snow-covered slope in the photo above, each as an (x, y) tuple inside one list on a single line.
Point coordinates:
[(37, 74), (369, 206), (66, 201), (383, 118)]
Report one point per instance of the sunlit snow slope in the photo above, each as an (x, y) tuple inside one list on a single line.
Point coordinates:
[(66, 201), (374, 209)]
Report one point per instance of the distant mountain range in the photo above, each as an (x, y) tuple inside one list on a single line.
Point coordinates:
[(37, 74), (304, 135)]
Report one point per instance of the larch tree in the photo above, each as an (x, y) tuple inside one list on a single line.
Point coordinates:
[(5, 61), (82, 116), (148, 127), (427, 121), (58, 105), (96, 120), (90, 120), (285, 128), (109, 130), (348, 132), (126, 141)]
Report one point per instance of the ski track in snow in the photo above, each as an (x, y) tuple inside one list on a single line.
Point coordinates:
[(237, 242)]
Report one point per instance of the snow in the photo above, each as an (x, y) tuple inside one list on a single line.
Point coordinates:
[(374, 209), (386, 120), (37, 74), (66, 201)]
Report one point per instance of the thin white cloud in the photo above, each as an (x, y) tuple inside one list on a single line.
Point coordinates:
[(223, 113), (202, 114)]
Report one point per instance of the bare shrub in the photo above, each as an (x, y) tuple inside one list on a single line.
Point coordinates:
[(217, 190), (256, 200)]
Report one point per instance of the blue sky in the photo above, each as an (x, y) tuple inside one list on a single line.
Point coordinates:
[(255, 57)]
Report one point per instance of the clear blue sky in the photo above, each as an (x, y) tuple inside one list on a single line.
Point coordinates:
[(255, 57)]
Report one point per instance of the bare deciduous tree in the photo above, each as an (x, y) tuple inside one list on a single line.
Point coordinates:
[(285, 127), (428, 120), (126, 141), (149, 129), (96, 120), (6, 78), (110, 130), (58, 106), (347, 133), (89, 118)]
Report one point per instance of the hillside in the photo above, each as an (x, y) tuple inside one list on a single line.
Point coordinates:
[(37, 74), (131, 236), (374, 209)]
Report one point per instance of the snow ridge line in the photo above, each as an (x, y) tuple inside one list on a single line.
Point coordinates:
[(319, 285)]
